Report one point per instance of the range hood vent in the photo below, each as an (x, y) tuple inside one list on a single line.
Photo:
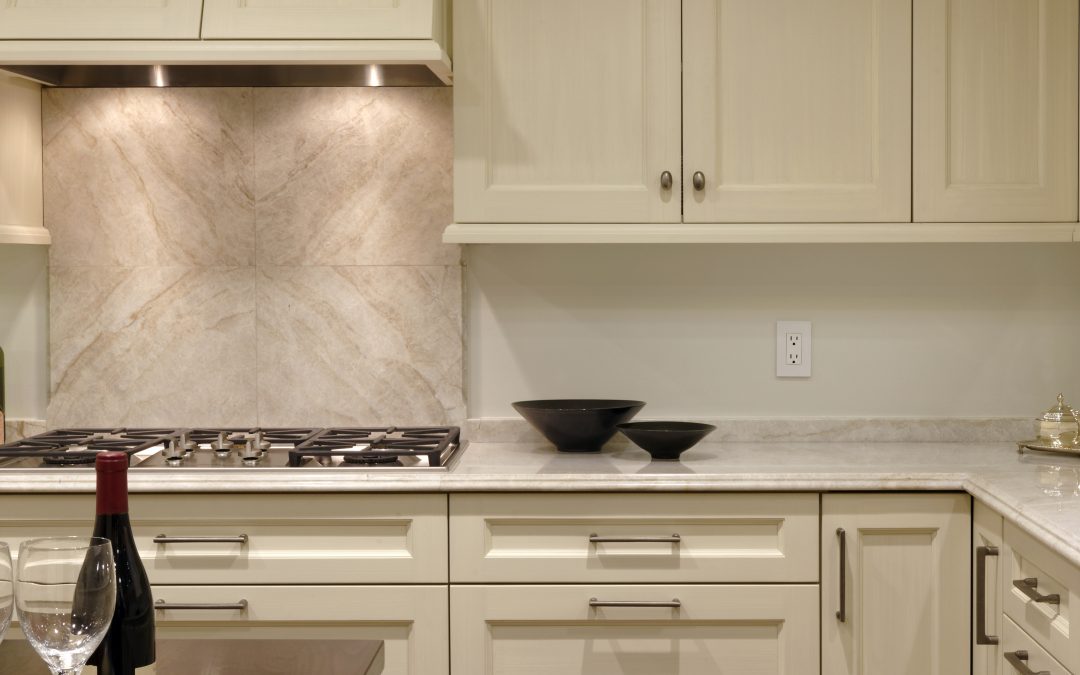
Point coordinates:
[(251, 75), (227, 43)]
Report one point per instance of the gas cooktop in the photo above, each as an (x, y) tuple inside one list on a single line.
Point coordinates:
[(366, 448)]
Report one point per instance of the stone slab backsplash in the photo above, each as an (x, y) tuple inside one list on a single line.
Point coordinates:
[(252, 256)]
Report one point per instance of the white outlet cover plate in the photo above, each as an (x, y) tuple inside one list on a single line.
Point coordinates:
[(783, 369)]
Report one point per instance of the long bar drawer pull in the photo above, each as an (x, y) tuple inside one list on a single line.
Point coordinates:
[(241, 605), (1030, 588), (165, 539), (597, 539), (841, 614), (981, 553), (1018, 660), (673, 604)]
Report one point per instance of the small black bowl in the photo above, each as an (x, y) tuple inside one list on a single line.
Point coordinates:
[(578, 424), (666, 440)]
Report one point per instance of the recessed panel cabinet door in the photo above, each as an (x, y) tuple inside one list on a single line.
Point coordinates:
[(995, 110), (100, 19), (320, 19), (566, 111), (895, 584), (658, 630), (797, 110)]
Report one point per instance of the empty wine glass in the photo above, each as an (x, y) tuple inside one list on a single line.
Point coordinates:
[(65, 594), (7, 589)]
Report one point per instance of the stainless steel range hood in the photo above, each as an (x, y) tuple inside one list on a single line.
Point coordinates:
[(215, 43)]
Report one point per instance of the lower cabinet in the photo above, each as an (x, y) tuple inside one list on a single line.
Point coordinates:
[(634, 629), (895, 584), (986, 540)]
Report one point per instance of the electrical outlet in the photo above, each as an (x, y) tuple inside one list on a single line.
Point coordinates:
[(793, 349)]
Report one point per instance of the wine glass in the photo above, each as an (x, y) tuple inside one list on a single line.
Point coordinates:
[(7, 589), (65, 594)]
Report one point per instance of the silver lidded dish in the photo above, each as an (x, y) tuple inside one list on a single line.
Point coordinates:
[(1056, 430)]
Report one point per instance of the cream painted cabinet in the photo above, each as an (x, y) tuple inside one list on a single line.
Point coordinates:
[(339, 20), (796, 110), (100, 19), (634, 630), (895, 584), (986, 538), (21, 220), (995, 85), (566, 111)]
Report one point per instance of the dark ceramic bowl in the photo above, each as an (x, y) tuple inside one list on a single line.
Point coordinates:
[(666, 440), (578, 424)]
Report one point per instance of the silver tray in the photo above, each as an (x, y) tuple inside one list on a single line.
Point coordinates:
[(1042, 446)]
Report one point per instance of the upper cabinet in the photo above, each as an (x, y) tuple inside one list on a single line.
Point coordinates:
[(797, 110), (765, 120), (995, 110), (21, 219), (322, 19), (566, 111), (100, 19)]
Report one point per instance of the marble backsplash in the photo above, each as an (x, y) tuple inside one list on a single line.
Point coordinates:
[(251, 256)]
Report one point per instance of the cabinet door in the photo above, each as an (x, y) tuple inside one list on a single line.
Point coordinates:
[(797, 110), (995, 110), (986, 533), (553, 630), (321, 19), (100, 19), (566, 110), (904, 581)]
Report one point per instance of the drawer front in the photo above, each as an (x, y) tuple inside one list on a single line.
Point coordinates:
[(1048, 623), (327, 20), (410, 620), (557, 630), (729, 538), (289, 538), (100, 19), (1016, 645)]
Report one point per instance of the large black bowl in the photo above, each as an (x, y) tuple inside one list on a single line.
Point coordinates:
[(666, 440), (578, 424)]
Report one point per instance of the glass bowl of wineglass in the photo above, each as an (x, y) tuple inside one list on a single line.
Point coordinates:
[(65, 594)]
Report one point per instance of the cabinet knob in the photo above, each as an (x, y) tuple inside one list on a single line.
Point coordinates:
[(666, 180), (699, 181)]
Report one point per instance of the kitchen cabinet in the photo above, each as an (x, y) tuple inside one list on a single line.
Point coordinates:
[(895, 584), (341, 20), (21, 217), (986, 541), (567, 111), (582, 630), (316, 565), (995, 85), (100, 20), (796, 111)]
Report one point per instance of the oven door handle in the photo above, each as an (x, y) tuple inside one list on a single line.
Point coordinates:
[(165, 539), (240, 605)]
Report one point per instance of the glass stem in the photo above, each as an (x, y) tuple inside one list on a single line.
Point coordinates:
[(69, 671)]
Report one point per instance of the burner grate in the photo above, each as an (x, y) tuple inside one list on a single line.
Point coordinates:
[(376, 445)]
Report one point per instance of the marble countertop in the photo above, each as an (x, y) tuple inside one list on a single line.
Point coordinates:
[(1039, 492)]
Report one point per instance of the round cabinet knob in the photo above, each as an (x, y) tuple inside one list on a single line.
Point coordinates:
[(666, 180), (699, 181)]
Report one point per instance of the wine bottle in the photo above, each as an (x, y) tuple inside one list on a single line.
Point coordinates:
[(129, 643)]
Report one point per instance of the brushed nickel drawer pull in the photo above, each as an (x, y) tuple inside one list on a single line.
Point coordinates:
[(699, 181), (1030, 588), (666, 180), (241, 605), (1018, 660), (841, 613), (165, 539), (597, 539), (981, 553), (673, 604)]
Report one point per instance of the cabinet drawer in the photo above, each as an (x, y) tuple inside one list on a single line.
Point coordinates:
[(1016, 644), (412, 621), (610, 538), (1048, 623), (556, 630), (289, 538)]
